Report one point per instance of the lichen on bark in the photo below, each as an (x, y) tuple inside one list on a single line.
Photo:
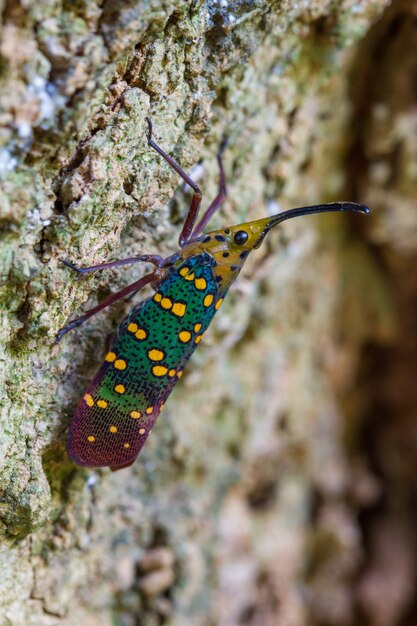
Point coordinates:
[(246, 491)]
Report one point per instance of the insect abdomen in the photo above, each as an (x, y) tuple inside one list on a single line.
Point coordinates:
[(152, 347)]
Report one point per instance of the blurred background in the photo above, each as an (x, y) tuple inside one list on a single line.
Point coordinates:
[(278, 488)]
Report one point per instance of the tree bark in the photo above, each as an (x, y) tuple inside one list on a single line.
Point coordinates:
[(277, 487)]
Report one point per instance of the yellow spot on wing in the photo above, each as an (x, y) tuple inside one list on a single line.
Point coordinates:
[(179, 309), (135, 414), (179, 374), (132, 327), (184, 336), (159, 370), (120, 364), (198, 338), (171, 373), (208, 299), (157, 297), (184, 271), (149, 410), (156, 355), (126, 445), (142, 431), (190, 277), (113, 429), (110, 357), (91, 438), (89, 399), (120, 389), (166, 303), (141, 334), (197, 327), (218, 304), (102, 404), (200, 283)]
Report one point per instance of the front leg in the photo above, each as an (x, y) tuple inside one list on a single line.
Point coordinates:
[(192, 214), (221, 195)]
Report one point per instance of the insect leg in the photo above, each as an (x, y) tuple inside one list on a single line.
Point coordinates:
[(196, 199), (156, 260), (219, 199), (138, 284)]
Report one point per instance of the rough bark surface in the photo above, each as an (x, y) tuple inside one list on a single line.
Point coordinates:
[(279, 485)]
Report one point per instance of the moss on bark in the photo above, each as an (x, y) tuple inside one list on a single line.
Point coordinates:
[(247, 486)]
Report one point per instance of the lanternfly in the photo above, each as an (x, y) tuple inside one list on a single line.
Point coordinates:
[(155, 341)]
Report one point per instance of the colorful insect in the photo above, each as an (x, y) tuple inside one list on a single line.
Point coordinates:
[(155, 341)]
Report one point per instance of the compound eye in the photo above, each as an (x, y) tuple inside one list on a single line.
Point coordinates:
[(241, 237)]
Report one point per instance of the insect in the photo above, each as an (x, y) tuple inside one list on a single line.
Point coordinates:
[(158, 336)]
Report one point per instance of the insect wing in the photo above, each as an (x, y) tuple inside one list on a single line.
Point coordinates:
[(152, 347)]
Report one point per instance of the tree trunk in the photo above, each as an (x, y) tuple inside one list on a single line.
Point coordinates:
[(277, 487)]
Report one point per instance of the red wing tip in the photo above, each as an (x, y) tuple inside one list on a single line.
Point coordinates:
[(95, 464)]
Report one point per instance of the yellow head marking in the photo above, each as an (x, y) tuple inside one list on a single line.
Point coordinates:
[(218, 304), (156, 355), (110, 357), (159, 370), (132, 328), (197, 328), (113, 429), (90, 438), (120, 389), (136, 414), (208, 299), (149, 410), (200, 283), (184, 336), (142, 431), (141, 334), (198, 338), (126, 445), (179, 309), (184, 271), (120, 364), (89, 399), (171, 373), (166, 303), (157, 297), (102, 404)]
